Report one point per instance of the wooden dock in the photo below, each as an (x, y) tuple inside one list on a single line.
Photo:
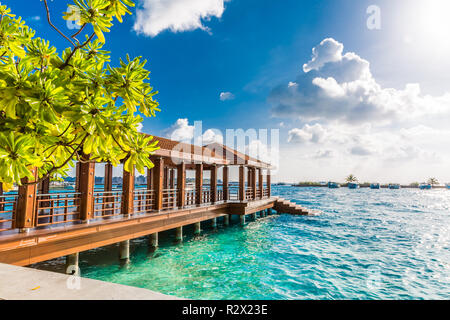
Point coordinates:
[(37, 225)]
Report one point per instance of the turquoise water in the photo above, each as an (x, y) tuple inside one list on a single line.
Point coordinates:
[(367, 244)]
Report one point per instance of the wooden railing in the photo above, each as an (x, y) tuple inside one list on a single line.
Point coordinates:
[(57, 208), (190, 197), (249, 193), (144, 201), (107, 204), (7, 212), (169, 198), (233, 193)]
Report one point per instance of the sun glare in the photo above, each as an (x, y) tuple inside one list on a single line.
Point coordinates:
[(434, 23)]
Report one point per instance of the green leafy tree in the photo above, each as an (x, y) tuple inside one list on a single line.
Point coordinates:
[(351, 178), (56, 109)]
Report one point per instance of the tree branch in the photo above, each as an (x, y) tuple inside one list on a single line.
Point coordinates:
[(53, 26)]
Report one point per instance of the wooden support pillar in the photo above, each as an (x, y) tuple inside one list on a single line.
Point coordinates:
[(26, 203), (87, 183), (225, 180), (213, 183), (158, 176), (124, 250), (72, 264), (171, 179), (181, 184), (260, 183), (249, 177), (179, 234), (166, 178), (128, 193), (242, 219), (226, 220), (149, 179), (199, 183), (241, 183), (197, 228), (77, 176), (268, 183), (253, 183)]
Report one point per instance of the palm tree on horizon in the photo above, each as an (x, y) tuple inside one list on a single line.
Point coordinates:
[(351, 178), (433, 182)]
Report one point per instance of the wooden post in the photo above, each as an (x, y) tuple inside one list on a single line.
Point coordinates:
[(181, 184), (44, 186), (149, 179), (166, 178), (172, 179), (254, 183), (158, 177), (1, 198), (260, 183), (128, 193), (225, 180), (199, 183), (213, 183), (241, 183), (87, 182), (26, 203), (269, 185), (108, 188)]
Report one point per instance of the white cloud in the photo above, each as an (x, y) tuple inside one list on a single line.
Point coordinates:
[(139, 127), (36, 18), (224, 96), (338, 86), (180, 131), (155, 16), (309, 133)]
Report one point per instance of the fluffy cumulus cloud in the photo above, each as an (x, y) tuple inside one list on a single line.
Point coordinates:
[(224, 96), (155, 16), (182, 131), (338, 86)]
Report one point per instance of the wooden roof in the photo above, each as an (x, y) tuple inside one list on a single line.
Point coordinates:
[(214, 153)]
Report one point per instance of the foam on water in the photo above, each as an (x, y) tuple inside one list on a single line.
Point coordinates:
[(367, 244)]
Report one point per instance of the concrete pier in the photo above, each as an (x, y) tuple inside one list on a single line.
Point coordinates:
[(179, 234), (226, 220), (153, 241), (197, 228), (72, 264), (214, 223), (242, 219), (254, 216), (124, 250)]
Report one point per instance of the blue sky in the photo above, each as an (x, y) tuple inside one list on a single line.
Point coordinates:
[(252, 49)]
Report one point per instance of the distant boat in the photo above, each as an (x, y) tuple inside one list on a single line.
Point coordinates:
[(394, 186), (333, 185), (425, 186), (375, 186), (447, 185), (353, 185)]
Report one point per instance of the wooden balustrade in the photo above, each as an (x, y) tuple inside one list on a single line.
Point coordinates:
[(8, 204), (190, 196), (169, 198), (57, 208), (107, 203)]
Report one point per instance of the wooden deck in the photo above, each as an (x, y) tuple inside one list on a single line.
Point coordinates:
[(40, 245)]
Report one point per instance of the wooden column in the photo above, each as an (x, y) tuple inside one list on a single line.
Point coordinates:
[(181, 184), (269, 186), (225, 180), (149, 179), (260, 183), (199, 183), (213, 183), (158, 177), (44, 186), (241, 183), (87, 183), (128, 193), (249, 178), (171, 179), (26, 203), (254, 183), (2, 207), (108, 177), (166, 178)]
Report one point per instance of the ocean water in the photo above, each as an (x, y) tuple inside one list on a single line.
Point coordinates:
[(366, 244)]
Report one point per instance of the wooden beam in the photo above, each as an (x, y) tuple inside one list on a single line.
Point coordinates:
[(199, 183), (149, 179), (241, 183), (225, 181), (181, 184), (166, 177), (213, 183), (269, 186), (260, 183), (26, 203), (254, 183), (87, 183), (158, 177), (128, 193), (108, 177)]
